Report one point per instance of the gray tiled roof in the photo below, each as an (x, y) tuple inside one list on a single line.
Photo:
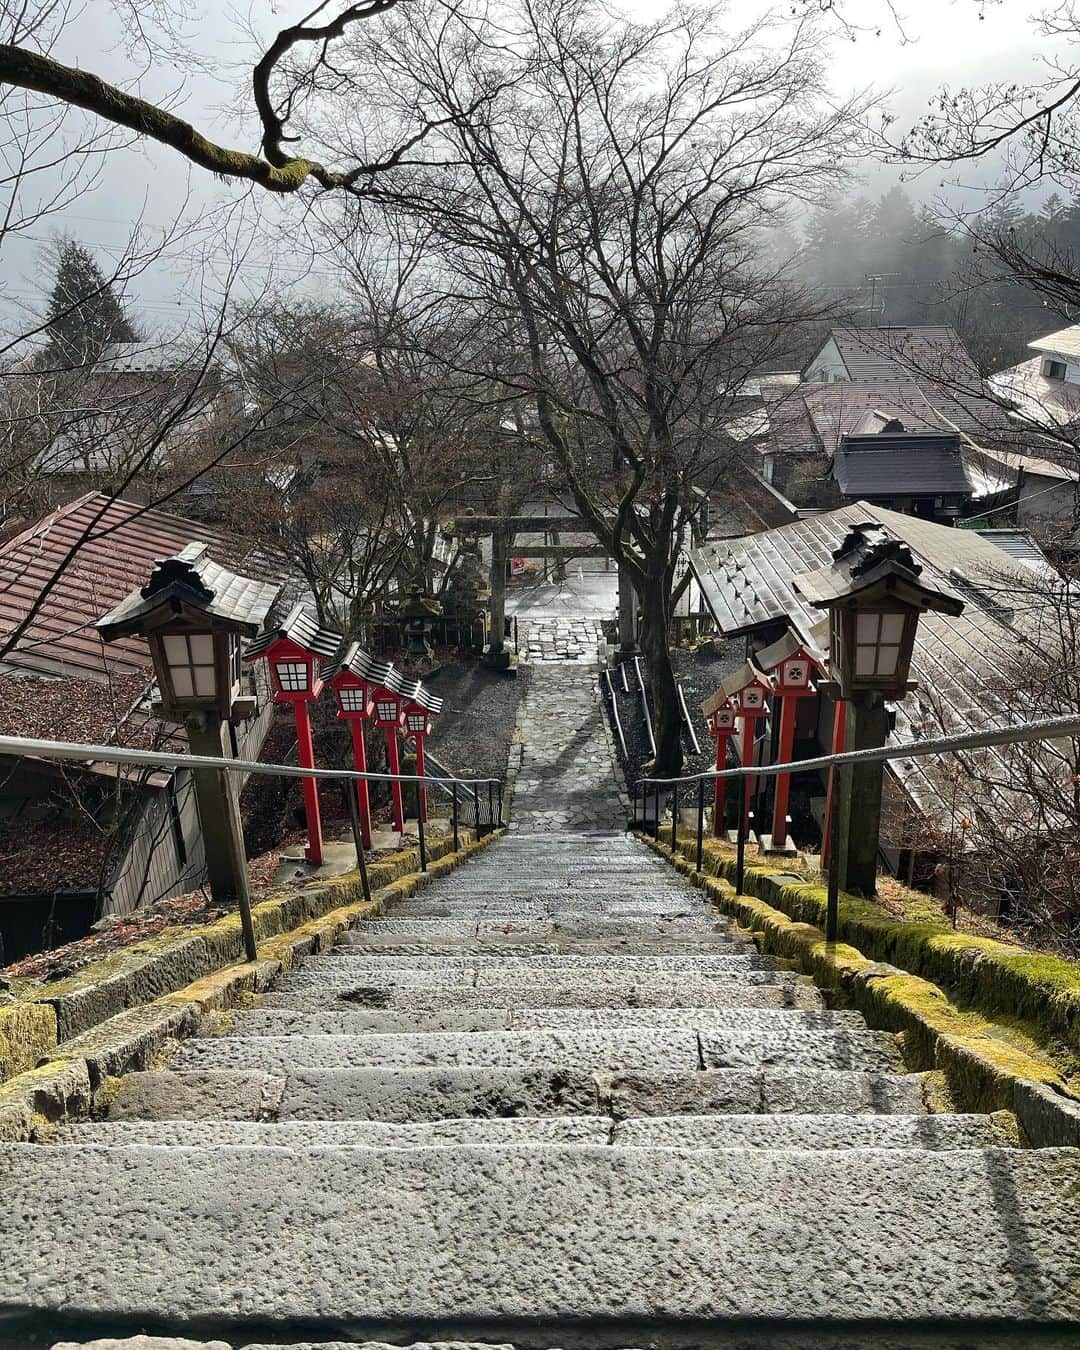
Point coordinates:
[(883, 353), (895, 465), (195, 578), (303, 628)]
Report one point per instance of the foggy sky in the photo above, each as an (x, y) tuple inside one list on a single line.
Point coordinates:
[(949, 44)]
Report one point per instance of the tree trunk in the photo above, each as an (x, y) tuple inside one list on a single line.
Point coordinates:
[(667, 727)]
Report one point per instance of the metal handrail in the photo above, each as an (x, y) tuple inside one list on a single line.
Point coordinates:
[(645, 703), (615, 714), (1046, 729), (686, 718), (107, 754), (972, 740)]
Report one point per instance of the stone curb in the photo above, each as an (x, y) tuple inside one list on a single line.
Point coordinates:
[(76, 1075), (983, 1067)]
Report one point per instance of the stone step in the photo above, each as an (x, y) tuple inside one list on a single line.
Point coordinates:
[(933, 1132), (388, 1239), (465, 1000), (405, 1095), (357, 1021), (499, 962), (543, 932), (473, 948), (686, 1048), (539, 987)]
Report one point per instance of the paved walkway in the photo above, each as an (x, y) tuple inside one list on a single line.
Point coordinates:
[(559, 640), (567, 779)]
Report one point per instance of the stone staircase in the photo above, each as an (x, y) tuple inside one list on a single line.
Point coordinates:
[(552, 1100)]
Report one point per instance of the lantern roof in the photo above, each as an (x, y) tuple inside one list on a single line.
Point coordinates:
[(360, 663), (299, 626), (743, 678), (869, 562), (192, 580), (783, 649), (716, 700), (429, 702)]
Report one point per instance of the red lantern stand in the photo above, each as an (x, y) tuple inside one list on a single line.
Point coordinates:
[(748, 690), (353, 680), (721, 721), (418, 712), (294, 652), (390, 699), (790, 667)]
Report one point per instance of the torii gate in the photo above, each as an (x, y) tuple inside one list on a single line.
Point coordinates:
[(503, 530)]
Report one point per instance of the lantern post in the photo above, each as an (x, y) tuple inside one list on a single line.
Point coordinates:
[(353, 679), (790, 667), (418, 714), (390, 698), (874, 595), (194, 614), (294, 652), (748, 689), (720, 716)]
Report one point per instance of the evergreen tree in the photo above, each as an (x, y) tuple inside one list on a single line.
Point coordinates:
[(84, 314)]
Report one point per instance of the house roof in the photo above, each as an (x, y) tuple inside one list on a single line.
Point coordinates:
[(816, 417), (1019, 545), (893, 464), (1063, 341), (890, 352), (93, 552), (748, 585), (1038, 400), (303, 628)]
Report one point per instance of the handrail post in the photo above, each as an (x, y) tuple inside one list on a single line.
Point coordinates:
[(476, 803), (358, 836), (700, 822), (491, 806), (421, 839), (656, 812), (501, 823), (454, 817), (740, 847), (674, 815)]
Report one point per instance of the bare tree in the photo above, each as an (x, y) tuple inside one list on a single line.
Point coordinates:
[(298, 66), (606, 205)]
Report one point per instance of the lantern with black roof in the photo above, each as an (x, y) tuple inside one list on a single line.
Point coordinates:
[(875, 594), (418, 714), (720, 716), (194, 614), (294, 651), (791, 666), (354, 678), (748, 690)]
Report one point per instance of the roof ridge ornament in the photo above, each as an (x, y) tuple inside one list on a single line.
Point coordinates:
[(179, 571), (868, 544)]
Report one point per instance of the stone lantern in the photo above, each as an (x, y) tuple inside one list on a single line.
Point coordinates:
[(875, 594)]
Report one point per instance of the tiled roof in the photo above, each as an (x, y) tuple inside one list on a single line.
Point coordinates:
[(747, 585), (886, 353), (1019, 545), (112, 545), (303, 628), (1044, 402), (894, 465), (815, 417), (361, 663)]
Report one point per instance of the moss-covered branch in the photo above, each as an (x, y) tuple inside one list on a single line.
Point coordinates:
[(80, 88)]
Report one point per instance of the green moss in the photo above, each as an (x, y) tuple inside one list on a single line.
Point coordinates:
[(27, 1034)]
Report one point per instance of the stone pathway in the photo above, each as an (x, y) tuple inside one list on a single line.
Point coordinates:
[(567, 779), (560, 640)]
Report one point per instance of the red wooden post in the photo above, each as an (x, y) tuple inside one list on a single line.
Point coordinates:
[(749, 726), (305, 753), (420, 772), (363, 798), (788, 710), (719, 788), (838, 738), (393, 760)]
